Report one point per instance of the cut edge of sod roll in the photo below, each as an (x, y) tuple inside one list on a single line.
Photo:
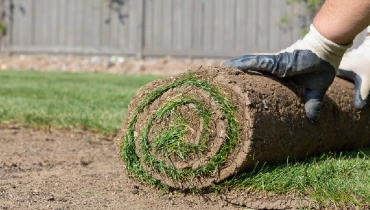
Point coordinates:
[(199, 128)]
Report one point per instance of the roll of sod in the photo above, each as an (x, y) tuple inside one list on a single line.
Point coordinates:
[(204, 126)]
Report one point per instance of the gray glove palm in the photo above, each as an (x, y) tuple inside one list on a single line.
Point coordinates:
[(311, 62)]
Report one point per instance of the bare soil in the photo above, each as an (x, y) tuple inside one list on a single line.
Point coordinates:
[(113, 64), (60, 169)]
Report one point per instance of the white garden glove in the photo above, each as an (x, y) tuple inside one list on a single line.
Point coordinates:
[(355, 66), (311, 62)]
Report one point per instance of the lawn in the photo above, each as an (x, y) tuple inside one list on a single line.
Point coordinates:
[(67, 100), (98, 102)]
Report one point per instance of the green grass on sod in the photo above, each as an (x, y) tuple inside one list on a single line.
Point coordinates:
[(98, 102), (68, 100), (333, 179)]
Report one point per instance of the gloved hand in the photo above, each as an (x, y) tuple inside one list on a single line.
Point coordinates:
[(311, 62), (355, 66)]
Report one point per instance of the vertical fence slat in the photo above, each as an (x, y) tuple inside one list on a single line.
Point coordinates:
[(197, 22), (297, 11), (27, 27), (241, 25), (262, 25), (251, 26), (229, 20), (124, 24), (78, 23), (61, 23), (166, 24), (71, 16), (136, 26), (149, 24), (44, 22), (188, 28), (177, 25), (53, 23), (114, 26), (219, 24), (93, 29), (17, 19), (158, 14), (208, 35), (105, 21), (285, 38), (274, 35), (38, 23)]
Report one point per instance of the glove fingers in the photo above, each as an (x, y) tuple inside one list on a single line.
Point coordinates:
[(261, 62), (359, 101), (313, 104), (351, 76)]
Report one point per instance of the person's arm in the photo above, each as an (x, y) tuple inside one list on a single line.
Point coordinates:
[(341, 20), (313, 61)]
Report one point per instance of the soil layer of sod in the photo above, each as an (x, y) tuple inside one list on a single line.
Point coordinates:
[(199, 128)]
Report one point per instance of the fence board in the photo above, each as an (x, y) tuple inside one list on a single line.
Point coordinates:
[(285, 29), (124, 27), (241, 25), (114, 26), (157, 17), (105, 20), (167, 24), (136, 26), (52, 24), (229, 28), (209, 24), (263, 25), (92, 28), (275, 33), (22, 23), (187, 24), (149, 23), (177, 25), (62, 24), (251, 29), (70, 16), (219, 24), (197, 22)]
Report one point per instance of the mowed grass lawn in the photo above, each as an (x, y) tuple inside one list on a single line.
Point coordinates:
[(93, 101), (99, 101)]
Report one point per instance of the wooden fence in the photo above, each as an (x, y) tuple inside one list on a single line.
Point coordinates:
[(186, 28)]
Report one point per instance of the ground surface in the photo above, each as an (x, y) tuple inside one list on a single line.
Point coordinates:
[(57, 169), (113, 64)]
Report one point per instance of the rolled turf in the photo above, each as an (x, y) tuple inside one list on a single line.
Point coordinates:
[(199, 128)]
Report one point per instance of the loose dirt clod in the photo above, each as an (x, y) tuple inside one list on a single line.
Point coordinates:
[(199, 128)]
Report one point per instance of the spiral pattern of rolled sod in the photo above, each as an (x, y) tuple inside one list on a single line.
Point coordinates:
[(181, 133)]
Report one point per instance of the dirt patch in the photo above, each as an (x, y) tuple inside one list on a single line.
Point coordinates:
[(77, 170)]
